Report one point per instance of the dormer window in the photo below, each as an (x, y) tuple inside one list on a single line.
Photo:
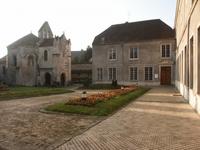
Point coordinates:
[(112, 54)]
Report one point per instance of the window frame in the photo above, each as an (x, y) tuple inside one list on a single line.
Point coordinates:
[(99, 74), (133, 80), (165, 53), (112, 68), (111, 53), (15, 60), (148, 73), (45, 55), (132, 49)]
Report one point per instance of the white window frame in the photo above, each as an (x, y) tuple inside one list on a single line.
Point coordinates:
[(148, 73), (132, 48), (100, 74), (112, 73), (111, 51), (133, 80), (170, 50)]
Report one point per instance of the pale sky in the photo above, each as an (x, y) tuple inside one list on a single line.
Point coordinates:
[(81, 20)]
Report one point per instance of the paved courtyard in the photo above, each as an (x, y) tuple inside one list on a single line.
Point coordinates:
[(23, 127), (158, 120)]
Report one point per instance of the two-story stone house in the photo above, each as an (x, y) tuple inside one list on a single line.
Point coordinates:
[(187, 25), (135, 53)]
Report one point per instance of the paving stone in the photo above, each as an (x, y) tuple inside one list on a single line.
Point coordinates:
[(158, 120)]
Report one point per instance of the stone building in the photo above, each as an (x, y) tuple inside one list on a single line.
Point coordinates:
[(81, 71), (187, 25), (135, 53), (42, 60), (3, 69)]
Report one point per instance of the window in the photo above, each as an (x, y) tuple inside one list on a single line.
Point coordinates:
[(198, 44), (112, 73), (4, 70), (191, 63), (133, 73), (45, 55), (30, 60), (186, 67), (15, 60), (112, 54), (148, 73), (99, 74), (166, 50), (134, 52)]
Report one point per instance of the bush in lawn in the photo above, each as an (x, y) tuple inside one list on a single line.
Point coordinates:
[(114, 83)]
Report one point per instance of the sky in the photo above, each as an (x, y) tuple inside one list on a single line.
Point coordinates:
[(80, 20)]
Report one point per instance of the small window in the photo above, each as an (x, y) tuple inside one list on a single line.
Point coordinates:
[(148, 73), (99, 74), (112, 54), (133, 73), (45, 55), (15, 60), (166, 51), (112, 73), (134, 52)]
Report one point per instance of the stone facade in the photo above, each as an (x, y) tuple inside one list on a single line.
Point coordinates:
[(42, 60), (3, 69), (131, 69), (187, 25)]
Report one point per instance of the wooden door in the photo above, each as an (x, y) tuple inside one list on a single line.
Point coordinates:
[(165, 76)]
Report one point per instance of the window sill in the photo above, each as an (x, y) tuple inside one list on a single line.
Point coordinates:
[(132, 59)]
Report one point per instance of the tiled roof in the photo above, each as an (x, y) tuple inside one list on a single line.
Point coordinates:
[(81, 67), (135, 31), (46, 43), (28, 40)]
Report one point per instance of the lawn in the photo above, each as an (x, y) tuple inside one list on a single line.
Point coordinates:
[(25, 92), (103, 108)]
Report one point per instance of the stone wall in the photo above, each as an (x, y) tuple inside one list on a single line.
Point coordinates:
[(187, 57), (149, 55)]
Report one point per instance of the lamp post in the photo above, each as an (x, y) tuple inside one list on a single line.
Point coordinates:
[(84, 95)]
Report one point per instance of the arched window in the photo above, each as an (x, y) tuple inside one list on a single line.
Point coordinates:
[(45, 55), (30, 60)]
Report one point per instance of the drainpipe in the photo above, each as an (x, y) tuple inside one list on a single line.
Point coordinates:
[(122, 67)]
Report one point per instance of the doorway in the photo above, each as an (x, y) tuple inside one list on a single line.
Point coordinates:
[(165, 78), (62, 79), (47, 79)]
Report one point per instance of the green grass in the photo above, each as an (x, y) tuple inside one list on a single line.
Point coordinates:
[(25, 92), (101, 87), (100, 109)]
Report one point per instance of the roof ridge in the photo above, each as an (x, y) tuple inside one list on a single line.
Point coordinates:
[(143, 21)]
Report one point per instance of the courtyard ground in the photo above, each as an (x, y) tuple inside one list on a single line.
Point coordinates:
[(17, 92), (158, 120), (24, 127)]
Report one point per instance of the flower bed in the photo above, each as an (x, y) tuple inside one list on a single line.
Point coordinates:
[(96, 98)]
